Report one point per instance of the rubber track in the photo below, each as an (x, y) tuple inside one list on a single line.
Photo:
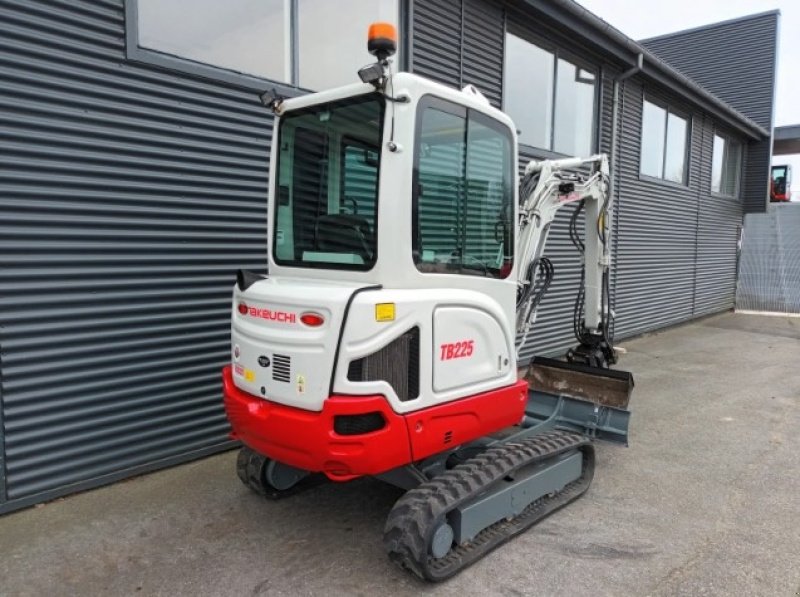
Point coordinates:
[(418, 513), (251, 467)]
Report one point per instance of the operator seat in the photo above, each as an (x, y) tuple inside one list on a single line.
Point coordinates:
[(344, 233)]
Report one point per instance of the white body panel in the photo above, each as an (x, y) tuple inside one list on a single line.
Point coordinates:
[(470, 347), (272, 327), (441, 316), (483, 322)]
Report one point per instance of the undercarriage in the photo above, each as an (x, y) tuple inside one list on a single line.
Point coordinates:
[(463, 502)]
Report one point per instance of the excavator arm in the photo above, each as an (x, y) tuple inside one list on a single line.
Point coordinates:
[(545, 188)]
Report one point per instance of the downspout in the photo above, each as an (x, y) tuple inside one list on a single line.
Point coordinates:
[(615, 122), (614, 178)]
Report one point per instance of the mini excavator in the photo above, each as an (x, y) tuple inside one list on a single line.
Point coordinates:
[(406, 265)]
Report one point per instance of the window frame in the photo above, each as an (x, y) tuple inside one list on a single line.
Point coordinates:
[(687, 147), (430, 100), (558, 53), (737, 191), (136, 53)]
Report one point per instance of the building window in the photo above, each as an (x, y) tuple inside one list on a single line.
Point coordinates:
[(463, 192), (287, 41), (664, 141), (551, 99), (726, 161)]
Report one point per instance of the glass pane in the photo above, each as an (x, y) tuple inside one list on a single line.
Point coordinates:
[(333, 39), (488, 234), (464, 195), (675, 161), (574, 119), (360, 178), (717, 159), (654, 119), (327, 190), (528, 90), (247, 36), (730, 177), (440, 189)]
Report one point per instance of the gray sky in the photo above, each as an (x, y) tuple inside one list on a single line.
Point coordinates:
[(648, 18)]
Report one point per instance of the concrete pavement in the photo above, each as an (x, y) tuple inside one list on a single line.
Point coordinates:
[(706, 501)]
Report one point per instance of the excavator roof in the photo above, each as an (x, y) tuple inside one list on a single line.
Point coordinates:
[(403, 84)]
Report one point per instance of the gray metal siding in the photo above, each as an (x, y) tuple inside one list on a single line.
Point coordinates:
[(676, 245), (736, 61), (128, 197), (719, 226), (437, 34), (483, 46), (460, 42)]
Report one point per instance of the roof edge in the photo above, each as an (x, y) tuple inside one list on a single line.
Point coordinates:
[(625, 49), (757, 15)]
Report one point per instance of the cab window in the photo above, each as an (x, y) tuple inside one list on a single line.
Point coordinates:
[(327, 190), (463, 193)]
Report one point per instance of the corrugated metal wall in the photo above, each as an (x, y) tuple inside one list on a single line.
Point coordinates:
[(736, 61), (128, 197), (676, 244)]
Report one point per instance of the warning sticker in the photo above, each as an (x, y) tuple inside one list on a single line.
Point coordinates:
[(384, 312)]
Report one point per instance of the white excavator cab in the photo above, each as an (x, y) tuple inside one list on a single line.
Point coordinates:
[(402, 266), (403, 205)]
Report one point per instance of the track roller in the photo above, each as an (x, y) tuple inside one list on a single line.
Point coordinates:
[(272, 479)]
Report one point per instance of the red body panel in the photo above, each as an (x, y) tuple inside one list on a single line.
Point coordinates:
[(441, 427), (307, 440)]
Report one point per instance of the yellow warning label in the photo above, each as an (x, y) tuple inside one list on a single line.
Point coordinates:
[(249, 375), (384, 312)]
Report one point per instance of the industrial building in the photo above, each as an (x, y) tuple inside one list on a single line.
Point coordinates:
[(134, 185)]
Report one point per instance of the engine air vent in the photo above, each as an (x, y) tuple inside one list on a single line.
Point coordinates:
[(397, 363), (281, 368)]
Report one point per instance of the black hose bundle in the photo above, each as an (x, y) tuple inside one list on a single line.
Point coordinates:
[(581, 333), (544, 277)]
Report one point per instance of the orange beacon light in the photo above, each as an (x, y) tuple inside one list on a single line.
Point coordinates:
[(382, 40)]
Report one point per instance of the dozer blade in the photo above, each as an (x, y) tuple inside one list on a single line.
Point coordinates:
[(546, 411), (605, 387)]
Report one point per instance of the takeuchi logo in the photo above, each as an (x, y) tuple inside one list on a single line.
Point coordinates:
[(269, 315)]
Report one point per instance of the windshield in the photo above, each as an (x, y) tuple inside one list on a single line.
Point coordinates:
[(327, 191)]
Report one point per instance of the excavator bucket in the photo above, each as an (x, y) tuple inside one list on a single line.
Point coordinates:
[(605, 387)]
